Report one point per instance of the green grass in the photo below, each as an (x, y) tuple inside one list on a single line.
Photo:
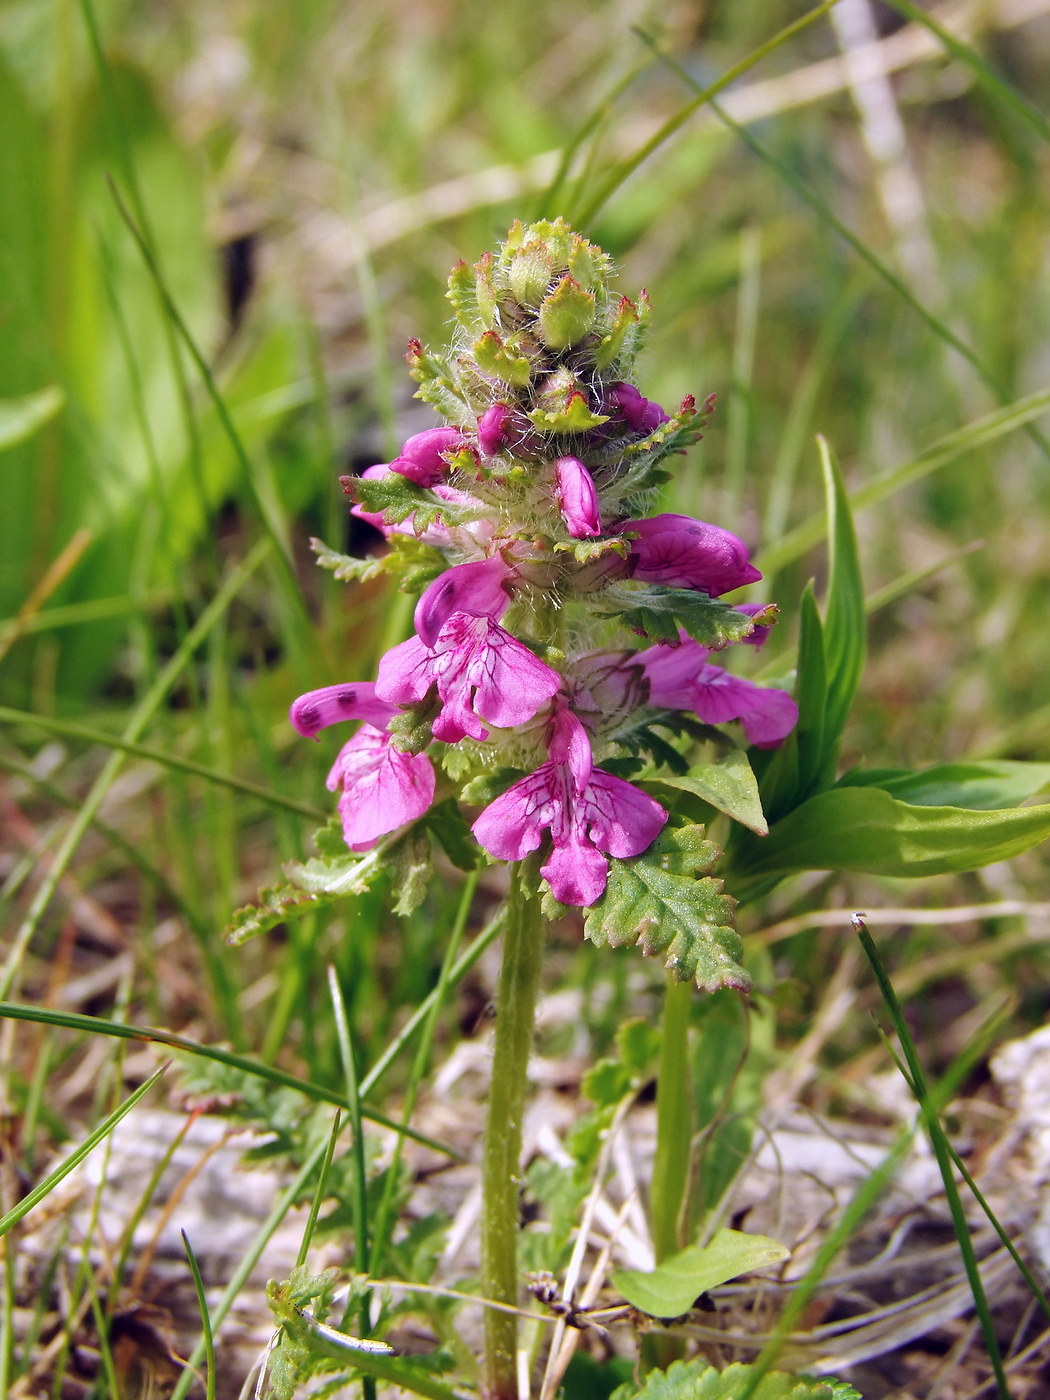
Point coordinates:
[(144, 683)]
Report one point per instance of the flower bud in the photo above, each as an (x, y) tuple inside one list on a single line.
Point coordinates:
[(422, 459), (530, 273), (566, 315), (640, 414), (578, 498)]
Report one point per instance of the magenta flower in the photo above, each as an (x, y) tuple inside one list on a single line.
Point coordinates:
[(586, 810), (422, 459), (640, 414), (481, 672), (681, 678), (577, 498), (382, 788), (317, 709), (686, 553), (503, 428), (481, 588)]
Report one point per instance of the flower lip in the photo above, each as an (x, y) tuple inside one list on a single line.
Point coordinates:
[(480, 588), (332, 704), (422, 459), (686, 553), (382, 788)]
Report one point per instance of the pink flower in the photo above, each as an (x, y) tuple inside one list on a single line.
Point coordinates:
[(501, 427), (587, 811), (422, 459), (481, 588), (686, 553), (681, 678), (317, 709), (382, 788), (641, 415), (481, 672), (578, 498)]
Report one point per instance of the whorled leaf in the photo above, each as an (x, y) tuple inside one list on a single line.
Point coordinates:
[(699, 1380), (658, 612), (662, 901)]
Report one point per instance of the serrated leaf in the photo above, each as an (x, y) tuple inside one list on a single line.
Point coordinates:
[(276, 904), (344, 566), (493, 357), (657, 901), (393, 496), (673, 1287), (699, 1380), (449, 825), (575, 417), (410, 868), (729, 785), (658, 612)]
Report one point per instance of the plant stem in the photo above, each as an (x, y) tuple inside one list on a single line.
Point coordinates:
[(515, 1017), (674, 1123)]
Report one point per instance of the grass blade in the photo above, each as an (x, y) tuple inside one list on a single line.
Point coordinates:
[(97, 1025), (202, 1303), (322, 1182), (141, 716), (941, 1148), (72, 730), (626, 167), (980, 433), (74, 1160), (989, 79), (845, 627)]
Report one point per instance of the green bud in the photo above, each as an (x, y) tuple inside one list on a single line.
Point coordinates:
[(566, 315), (530, 273), (588, 264), (572, 415), (611, 344), (485, 291), (462, 293), (493, 357)]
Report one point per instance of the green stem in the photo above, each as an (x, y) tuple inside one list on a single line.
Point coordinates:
[(674, 1123), (515, 1018)]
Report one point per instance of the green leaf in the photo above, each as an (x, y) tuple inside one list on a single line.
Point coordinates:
[(410, 868), (673, 1287), (699, 1380), (845, 624), (865, 829), (793, 769), (659, 612), (657, 901), (395, 498), (728, 785), (978, 787), (409, 559), (575, 417), (275, 905), (20, 418), (449, 825)]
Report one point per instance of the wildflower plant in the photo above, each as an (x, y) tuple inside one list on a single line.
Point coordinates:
[(563, 707)]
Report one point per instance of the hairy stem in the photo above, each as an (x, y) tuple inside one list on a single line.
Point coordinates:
[(515, 1016)]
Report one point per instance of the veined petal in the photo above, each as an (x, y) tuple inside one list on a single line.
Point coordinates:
[(382, 788), (577, 874), (672, 673), (513, 825), (406, 673), (768, 715), (482, 669), (577, 498), (619, 817), (317, 709), (685, 553), (479, 588)]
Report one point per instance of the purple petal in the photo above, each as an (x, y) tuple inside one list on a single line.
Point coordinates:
[(422, 458), (332, 703), (493, 428), (577, 874), (513, 825), (672, 673), (686, 553), (768, 715), (406, 673), (479, 588), (578, 498), (482, 670), (641, 415), (382, 787), (571, 746), (619, 817)]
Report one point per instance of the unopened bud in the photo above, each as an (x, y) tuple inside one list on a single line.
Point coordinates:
[(530, 274), (566, 315)]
